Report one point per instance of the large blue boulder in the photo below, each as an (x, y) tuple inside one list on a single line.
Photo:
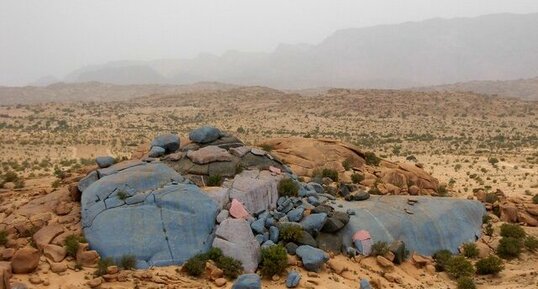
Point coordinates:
[(105, 161), (169, 142), (149, 211), (424, 224), (205, 134), (248, 281), (312, 258), (314, 222)]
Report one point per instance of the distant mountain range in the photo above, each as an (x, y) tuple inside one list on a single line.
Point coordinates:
[(431, 52), (526, 89)]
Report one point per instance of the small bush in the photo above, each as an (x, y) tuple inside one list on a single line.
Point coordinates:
[(470, 250), (230, 266), (347, 164), (357, 178), (288, 187), (331, 174), (489, 265), (509, 248), (214, 253), (442, 191), (290, 233), (72, 243), (195, 266), (214, 181), (441, 258), (459, 266), (274, 260), (535, 199), (380, 248), (466, 283), (531, 243), (3, 237), (491, 198), (267, 147), (128, 262), (371, 159), (102, 266), (512, 231), (122, 195)]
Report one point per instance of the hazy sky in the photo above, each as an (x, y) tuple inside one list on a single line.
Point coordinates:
[(54, 37)]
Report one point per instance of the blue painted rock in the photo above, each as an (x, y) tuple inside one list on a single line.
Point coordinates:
[(274, 234), (248, 281), (365, 284), (295, 215), (156, 151), (293, 279), (314, 222), (169, 142), (89, 179), (149, 211), (104, 161), (312, 258), (430, 225), (205, 134)]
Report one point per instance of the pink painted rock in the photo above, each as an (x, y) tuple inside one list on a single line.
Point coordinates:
[(238, 211)]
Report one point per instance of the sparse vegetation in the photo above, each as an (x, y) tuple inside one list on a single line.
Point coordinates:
[(459, 266), (127, 262), (72, 242), (512, 231), (509, 248), (489, 265), (330, 173), (288, 187), (466, 283), (531, 243), (3, 237), (103, 264), (470, 250), (230, 266), (380, 248), (195, 266), (441, 259), (214, 180), (357, 178), (290, 233), (274, 260), (371, 159)]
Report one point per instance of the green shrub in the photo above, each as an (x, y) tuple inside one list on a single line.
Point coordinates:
[(486, 219), (122, 195), (72, 243), (531, 243), (290, 233), (214, 181), (267, 147), (347, 164), (509, 248), (3, 237), (230, 266), (274, 260), (128, 262), (535, 199), (288, 187), (459, 266), (512, 231), (102, 266), (214, 253), (441, 257), (489, 265), (442, 191), (466, 283), (380, 248), (491, 198), (330, 173), (470, 250), (195, 266), (357, 178), (371, 159)]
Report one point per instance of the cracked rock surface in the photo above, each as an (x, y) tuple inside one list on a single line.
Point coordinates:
[(149, 211)]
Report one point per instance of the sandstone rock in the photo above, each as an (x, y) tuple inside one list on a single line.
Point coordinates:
[(85, 257), (220, 282), (35, 279), (527, 219), (63, 209), (337, 266), (95, 282), (46, 234), (384, 263), (54, 252), (234, 237), (4, 280), (58, 267), (7, 253), (25, 260), (508, 212), (5, 267)]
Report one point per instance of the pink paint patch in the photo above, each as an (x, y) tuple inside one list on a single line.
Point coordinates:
[(361, 235), (238, 211), (275, 170)]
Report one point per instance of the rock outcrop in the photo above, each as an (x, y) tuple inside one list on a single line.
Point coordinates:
[(147, 210), (305, 155)]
